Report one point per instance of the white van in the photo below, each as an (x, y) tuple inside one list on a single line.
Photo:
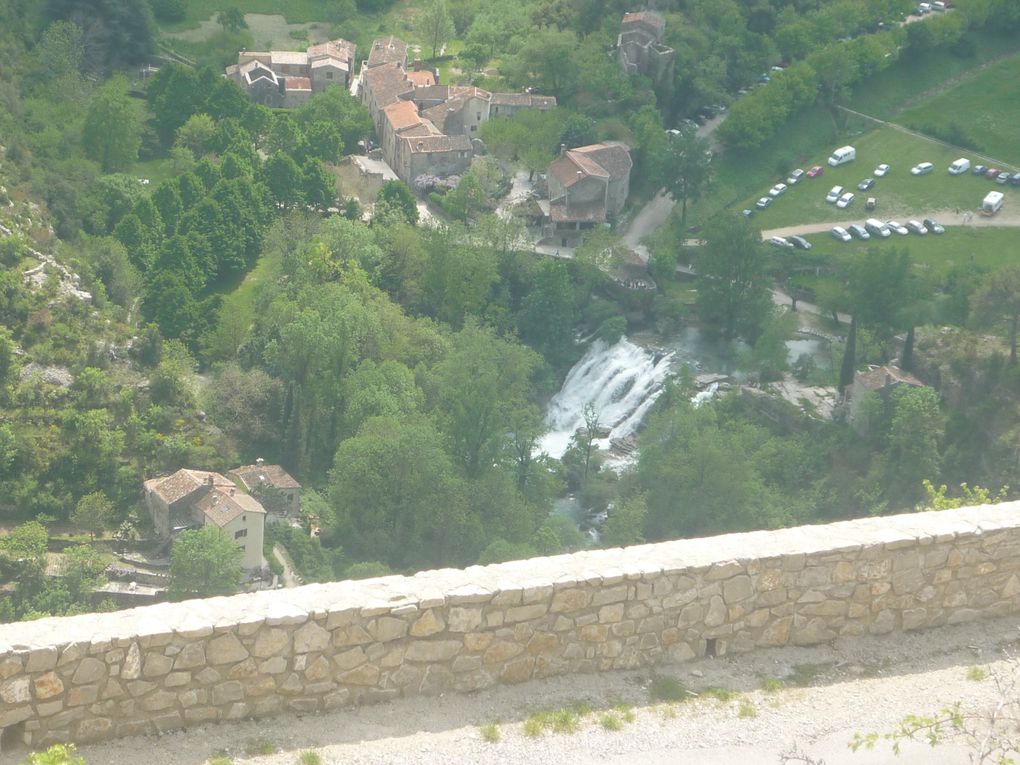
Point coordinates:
[(992, 202), (877, 228), (843, 155), (961, 165)]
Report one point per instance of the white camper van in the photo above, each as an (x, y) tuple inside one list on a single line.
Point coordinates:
[(961, 165), (992, 202), (843, 155)]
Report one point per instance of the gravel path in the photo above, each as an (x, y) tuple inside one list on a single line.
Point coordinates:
[(948, 218), (830, 692)]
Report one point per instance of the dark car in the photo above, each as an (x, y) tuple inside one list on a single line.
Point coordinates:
[(979, 169), (1014, 180), (933, 226), (799, 242), (866, 184)]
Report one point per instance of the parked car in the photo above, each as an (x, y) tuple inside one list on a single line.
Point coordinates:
[(815, 171), (922, 169), (845, 201), (834, 193), (779, 241), (881, 170), (866, 184), (877, 228), (799, 242), (859, 231), (897, 227), (992, 172), (747, 213), (841, 234), (871, 204), (938, 5), (979, 169), (762, 203), (778, 190), (1014, 180), (933, 226), (916, 227), (795, 177), (923, 8)]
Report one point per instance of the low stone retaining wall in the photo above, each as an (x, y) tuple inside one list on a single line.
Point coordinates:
[(325, 646)]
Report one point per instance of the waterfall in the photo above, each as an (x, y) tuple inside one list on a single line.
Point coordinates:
[(621, 381)]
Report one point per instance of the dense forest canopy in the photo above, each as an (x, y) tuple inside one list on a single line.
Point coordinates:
[(241, 306)]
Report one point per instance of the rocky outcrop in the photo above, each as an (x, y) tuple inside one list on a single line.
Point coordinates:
[(319, 647)]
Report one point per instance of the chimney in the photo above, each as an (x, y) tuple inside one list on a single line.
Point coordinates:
[(259, 461), (209, 480), (563, 149), (417, 65)]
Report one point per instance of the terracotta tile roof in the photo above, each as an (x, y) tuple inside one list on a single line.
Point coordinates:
[(573, 167), (877, 378), (401, 115), (422, 79), (649, 17), (386, 84), (431, 144), (185, 482), (593, 212), (297, 83), (339, 49), (523, 100), (322, 63), (254, 475), (387, 50), (288, 58), (221, 507), (611, 156)]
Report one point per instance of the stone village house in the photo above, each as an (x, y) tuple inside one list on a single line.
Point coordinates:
[(190, 499), (285, 79), (587, 187)]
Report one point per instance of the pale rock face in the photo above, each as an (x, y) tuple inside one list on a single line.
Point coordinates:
[(155, 669)]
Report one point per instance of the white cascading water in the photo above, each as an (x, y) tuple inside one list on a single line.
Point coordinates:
[(621, 381)]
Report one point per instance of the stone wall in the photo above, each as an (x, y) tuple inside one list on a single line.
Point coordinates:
[(325, 646)]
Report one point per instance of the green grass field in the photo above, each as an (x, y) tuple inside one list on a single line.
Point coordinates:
[(984, 108), (899, 194), (295, 11), (990, 248)]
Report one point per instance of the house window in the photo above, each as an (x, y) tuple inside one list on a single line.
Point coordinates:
[(329, 75), (474, 128), (478, 116), (241, 533)]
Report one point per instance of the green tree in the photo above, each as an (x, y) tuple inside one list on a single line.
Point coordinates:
[(23, 551), (686, 169), (435, 25), (998, 300), (204, 562), (626, 522), (196, 134), (81, 571), (549, 313), (112, 133), (397, 195), (284, 179), (733, 291), (94, 513), (231, 19), (914, 437)]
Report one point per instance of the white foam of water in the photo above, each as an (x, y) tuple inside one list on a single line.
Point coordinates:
[(621, 381)]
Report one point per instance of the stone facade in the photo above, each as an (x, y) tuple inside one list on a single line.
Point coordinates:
[(320, 647)]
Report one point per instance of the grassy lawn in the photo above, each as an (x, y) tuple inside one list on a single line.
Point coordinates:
[(983, 107), (295, 11), (990, 248), (910, 82), (899, 194)]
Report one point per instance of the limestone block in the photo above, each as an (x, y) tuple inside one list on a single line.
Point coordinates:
[(464, 619), (407, 675), (132, 668), (273, 666), (10, 665), (737, 589), (914, 619), (468, 682), (777, 633), (518, 670), (651, 624), (385, 629), (15, 691), (82, 694), (611, 614), (526, 613), (113, 689), (92, 728), (317, 670), (429, 623), (176, 679), (478, 641), (466, 664), (593, 633), (201, 714), (825, 608), (41, 659), (392, 658), (539, 594), (350, 659), (1012, 587), (231, 690), (156, 665), (72, 652), (193, 696), (724, 570), (208, 676), (242, 670), (366, 674), (691, 614), (437, 679), (624, 628), (815, 631), (543, 643), (501, 651), (312, 637), (261, 685), (354, 634), (158, 701), (191, 657), (884, 623), (606, 595), (49, 708), (716, 613), (227, 649), (907, 581), (271, 642), (961, 615), (573, 599), (49, 685), (168, 722), (432, 650)]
